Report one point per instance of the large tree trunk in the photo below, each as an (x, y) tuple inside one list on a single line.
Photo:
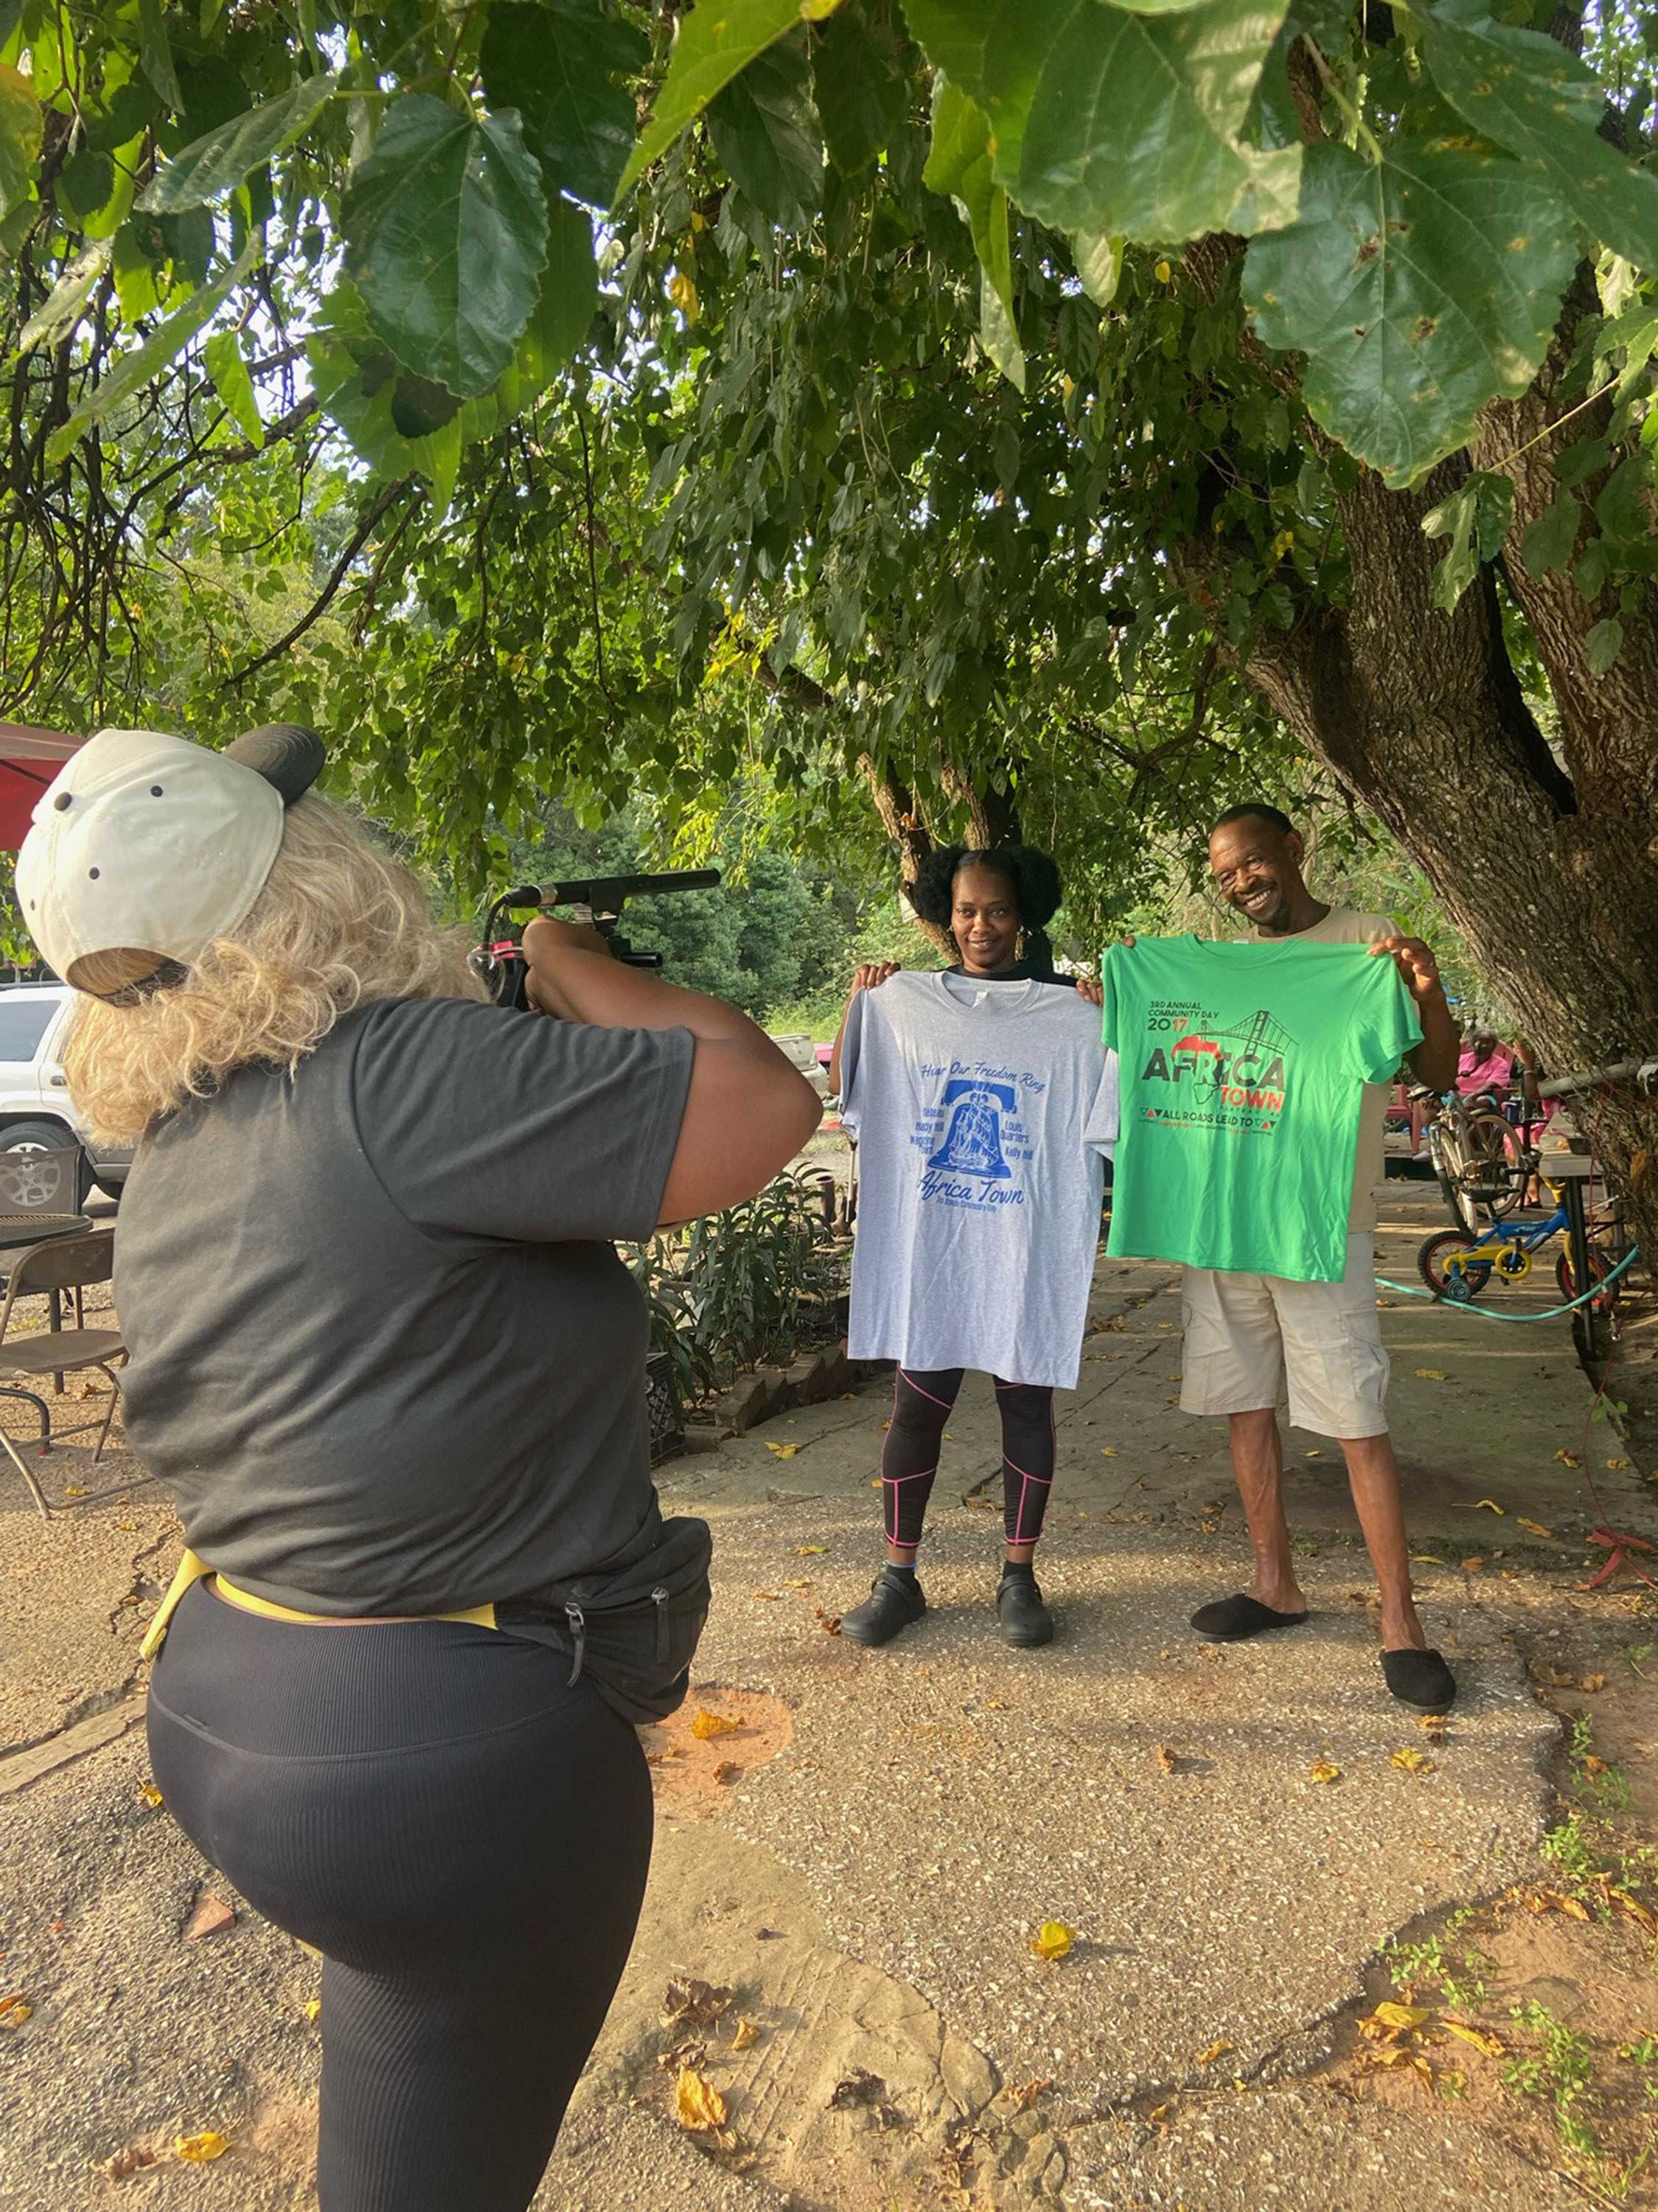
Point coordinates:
[(1551, 876)]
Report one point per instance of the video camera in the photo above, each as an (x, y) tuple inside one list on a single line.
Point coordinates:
[(499, 959)]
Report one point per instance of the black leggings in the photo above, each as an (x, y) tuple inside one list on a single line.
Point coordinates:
[(463, 1838), (921, 1400)]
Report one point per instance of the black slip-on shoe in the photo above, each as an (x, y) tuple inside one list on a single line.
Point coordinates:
[(894, 1603), (1229, 1619), (1026, 1621), (1420, 1679)]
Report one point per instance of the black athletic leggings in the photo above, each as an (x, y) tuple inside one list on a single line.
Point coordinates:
[(921, 1400), (463, 1838)]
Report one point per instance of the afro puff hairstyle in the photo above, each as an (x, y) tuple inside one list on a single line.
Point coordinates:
[(1037, 891)]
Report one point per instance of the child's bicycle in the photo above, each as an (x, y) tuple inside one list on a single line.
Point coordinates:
[(1457, 1266)]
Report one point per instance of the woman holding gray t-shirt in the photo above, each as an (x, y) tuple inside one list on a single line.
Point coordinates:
[(984, 1103), (388, 1363)]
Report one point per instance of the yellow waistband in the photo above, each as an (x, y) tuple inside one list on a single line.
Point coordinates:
[(193, 1568)]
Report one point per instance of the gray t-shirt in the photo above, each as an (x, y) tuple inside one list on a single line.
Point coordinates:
[(983, 1111), (383, 1353)]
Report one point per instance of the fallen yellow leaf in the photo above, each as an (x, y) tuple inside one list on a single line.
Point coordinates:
[(1433, 1375), (773, 1595), (746, 2036), (783, 1451), (705, 1725), (1481, 2038), (1159, 2113), (1533, 1527), (1391, 2019), (1472, 1566), (1108, 1451), (312, 2007), (698, 2106), (1166, 1759), (149, 1795), (1206, 2057), (14, 2010), (1325, 1769), (1489, 1505), (1428, 1558), (809, 1551), (1413, 1761), (200, 2149), (1555, 1900), (1053, 1940), (1592, 1682), (1641, 1914), (1567, 1459), (1618, 1467)]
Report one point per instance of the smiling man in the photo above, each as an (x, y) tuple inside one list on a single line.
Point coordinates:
[(1245, 1335)]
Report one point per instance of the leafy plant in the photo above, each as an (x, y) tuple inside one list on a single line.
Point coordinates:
[(1562, 2069), (739, 1288)]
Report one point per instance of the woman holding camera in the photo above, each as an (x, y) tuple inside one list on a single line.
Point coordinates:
[(389, 1365), (984, 1103)]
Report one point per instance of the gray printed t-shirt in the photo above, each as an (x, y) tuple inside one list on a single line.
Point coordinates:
[(983, 1112), (384, 1354)]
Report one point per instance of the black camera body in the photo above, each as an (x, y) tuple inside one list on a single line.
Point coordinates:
[(499, 959)]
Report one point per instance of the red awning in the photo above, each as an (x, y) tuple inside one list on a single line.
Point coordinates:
[(29, 759)]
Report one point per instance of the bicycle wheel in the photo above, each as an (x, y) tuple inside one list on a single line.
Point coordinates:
[(1566, 1276), (1496, 1167), (1456, 1285)]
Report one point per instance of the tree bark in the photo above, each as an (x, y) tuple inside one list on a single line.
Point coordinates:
[(1551, 879), (900, 818)]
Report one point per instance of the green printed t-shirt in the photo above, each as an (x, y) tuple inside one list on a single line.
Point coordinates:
[(1243, 1068)]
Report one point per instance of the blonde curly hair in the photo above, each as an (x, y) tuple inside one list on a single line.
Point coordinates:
[(338, 924)]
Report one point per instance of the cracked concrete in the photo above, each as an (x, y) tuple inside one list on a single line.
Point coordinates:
[(870, 1892)]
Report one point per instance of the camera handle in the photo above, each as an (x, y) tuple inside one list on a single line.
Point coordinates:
[(499, 959)]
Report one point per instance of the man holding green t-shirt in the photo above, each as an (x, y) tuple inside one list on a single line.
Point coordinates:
[(1246, 1334)]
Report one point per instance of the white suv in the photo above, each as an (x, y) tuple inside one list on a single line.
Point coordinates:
[(48, 1159)]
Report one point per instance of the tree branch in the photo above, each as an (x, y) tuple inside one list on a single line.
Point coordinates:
[(336, 577)]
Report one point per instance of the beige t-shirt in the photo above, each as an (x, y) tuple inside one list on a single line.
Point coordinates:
[(1344, 924)]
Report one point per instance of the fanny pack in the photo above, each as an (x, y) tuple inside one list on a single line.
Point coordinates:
[(634, 1629)]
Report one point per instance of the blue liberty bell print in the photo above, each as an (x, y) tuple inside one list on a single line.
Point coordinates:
[(973, 1142)]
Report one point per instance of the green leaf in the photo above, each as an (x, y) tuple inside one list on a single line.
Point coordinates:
[(1548, 543), (445, 232), (155, 54), (711, 44), (20, 138), (223, 355), (568, 295), (859, 87), (1099, 264), (1475, 518), (1621, 510), (1110, 121), (65, 304), (221, 159), (1530, 95), (959, 163), (1603, 644), (766, 135), (134, 370), (558, 65), (1418, 290)]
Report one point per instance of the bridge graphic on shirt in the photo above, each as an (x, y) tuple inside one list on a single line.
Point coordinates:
[(1260, 1033)]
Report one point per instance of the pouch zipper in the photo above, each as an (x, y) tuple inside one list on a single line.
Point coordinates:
[(578, 1621), (660, 1600)]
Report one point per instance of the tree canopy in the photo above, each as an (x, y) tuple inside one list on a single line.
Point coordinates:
[(1056, 416)]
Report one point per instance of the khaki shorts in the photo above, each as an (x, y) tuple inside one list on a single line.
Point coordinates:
[(1247, 1335)]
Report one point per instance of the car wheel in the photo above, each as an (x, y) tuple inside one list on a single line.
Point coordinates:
[(42, 1170)]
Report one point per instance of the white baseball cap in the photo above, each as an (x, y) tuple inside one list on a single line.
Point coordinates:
[(146, 848)]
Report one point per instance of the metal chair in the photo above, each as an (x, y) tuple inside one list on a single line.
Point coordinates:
[(63, 1263)]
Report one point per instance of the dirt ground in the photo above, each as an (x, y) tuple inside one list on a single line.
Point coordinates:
[(1255, 1852)]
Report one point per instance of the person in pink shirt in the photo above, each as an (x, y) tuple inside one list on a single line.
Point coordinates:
[(1486, 1064)]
